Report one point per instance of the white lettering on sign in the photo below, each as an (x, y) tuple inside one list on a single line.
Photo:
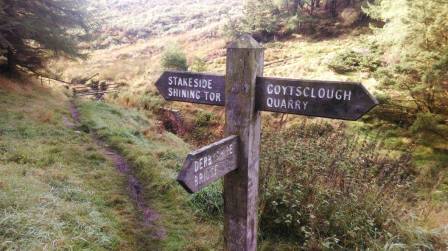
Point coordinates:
[(299, 97), (200, 89), (206, 167), (286, 103), (309, 92), (194, 94), (190, 82), (212, 96)]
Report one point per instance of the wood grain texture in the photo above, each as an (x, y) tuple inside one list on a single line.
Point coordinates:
[(208, 164), (244, 64)]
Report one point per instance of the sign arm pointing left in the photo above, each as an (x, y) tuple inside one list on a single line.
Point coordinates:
[(192, 87), (208, 164)]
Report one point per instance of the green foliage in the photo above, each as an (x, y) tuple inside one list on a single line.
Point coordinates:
[(415, 38), (209, 202), (293, 24), (261, 18), (267, 19), (33, 31), (198, 65), (54, 193), (156, 158), (204, 118), (351, 60), (323, 218), (334, 196), (174, 58), (427, 121), (430, 130), (149, 101)]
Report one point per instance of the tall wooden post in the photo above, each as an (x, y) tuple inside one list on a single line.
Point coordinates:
[(244, 64)]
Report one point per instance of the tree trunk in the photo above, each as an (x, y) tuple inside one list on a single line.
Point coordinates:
[(12, 61), (349, 3), (293, 6), (331, 6), (313, 2)]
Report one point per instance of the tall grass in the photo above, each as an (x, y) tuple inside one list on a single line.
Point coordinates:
[(325, 189), (156, 157), (57, 191)]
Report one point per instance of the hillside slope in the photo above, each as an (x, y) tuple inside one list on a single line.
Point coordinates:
[(50, 192), (59, 189), (126, 21), (131, 35)]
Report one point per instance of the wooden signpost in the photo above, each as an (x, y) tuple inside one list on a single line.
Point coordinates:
[(245, 92)]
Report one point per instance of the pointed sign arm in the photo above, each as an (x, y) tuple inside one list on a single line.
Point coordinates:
[(208, 164), (327, 99), (192, 87)]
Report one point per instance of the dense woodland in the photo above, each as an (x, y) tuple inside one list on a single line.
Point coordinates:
[(377, 184)]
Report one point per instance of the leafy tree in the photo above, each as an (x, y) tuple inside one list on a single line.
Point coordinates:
[(265, 19), (415, 39), (261, 19), (34, 30)]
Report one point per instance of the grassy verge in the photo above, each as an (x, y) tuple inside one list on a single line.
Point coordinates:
[(57, 191), (156, 157)]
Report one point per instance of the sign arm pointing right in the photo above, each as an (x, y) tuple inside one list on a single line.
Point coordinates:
[(326, 99)]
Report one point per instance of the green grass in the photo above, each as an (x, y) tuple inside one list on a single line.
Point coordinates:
[(57, 191), (156, 157)]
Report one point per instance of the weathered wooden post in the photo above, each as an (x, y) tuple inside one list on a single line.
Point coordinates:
[(244, 65)]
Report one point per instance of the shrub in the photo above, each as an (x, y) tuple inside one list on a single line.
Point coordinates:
[(293, 24), (174, 58), (429, 129), (261, 19), (209, 202), (350, 61), (328, 190), (204, 119), (325, 190), (149, 102), (206, 128), (344, 62), (198, 65)]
